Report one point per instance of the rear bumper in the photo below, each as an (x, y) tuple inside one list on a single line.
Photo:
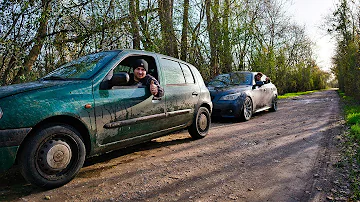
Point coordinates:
[(10, 141)]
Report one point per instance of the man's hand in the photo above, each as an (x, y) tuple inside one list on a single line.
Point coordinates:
[(153, 88)]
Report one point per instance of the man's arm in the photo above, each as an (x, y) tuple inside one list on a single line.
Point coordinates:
[(154, 86)]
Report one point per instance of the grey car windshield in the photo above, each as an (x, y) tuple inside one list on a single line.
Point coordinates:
[(236, 78), (82, 68)]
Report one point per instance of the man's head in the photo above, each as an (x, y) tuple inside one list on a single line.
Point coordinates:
[(140, 68), (258, 76)]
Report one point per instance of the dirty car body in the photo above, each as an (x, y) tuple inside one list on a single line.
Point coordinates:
[(84, 108), (237, 95)]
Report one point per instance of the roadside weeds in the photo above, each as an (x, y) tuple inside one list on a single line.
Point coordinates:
[(349, 165)]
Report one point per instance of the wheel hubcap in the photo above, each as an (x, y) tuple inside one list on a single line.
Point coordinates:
[(275, 104), (203, 122), (55, 155), (247, 108)]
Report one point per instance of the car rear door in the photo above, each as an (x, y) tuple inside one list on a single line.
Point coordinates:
[(182, 92)]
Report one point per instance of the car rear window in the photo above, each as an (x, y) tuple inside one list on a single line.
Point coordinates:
[(173, 72)]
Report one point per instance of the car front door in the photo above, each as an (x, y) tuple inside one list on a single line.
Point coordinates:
[(126, 112), (268, 92), (261, 94)]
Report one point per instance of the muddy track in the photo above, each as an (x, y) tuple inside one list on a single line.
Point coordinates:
[(276, 156)]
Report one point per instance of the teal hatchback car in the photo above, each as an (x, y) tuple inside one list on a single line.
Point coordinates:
[(84, 108)]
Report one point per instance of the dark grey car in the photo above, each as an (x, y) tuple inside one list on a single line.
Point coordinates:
[(237, 95)]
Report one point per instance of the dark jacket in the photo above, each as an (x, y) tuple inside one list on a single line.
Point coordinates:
[(146, 82)]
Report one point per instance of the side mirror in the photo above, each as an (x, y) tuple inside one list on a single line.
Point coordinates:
[(120, 79)]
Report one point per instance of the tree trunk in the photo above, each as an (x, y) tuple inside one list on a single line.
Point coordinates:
[(133, 9), (226, 55), (213, 29), (169, 42), (184, 34)]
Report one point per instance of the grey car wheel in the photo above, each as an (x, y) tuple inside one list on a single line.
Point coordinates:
[(52, 156), (201, 124), (274, 105), (247, 110)]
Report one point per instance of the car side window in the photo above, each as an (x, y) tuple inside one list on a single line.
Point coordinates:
[(189, 77), (119, 77), (123, 68), (172, 71)]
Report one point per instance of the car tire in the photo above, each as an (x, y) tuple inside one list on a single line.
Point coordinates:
[(247, 110), (274, 104), (201, 124), (52, 156)]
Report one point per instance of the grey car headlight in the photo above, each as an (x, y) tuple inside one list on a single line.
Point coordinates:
[(1, 113), (230, 96)]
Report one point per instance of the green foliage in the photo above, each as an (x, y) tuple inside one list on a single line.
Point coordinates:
[(355, 132), (353, 119), (347, 56), (242, 35), (352, 116), (347, 71)]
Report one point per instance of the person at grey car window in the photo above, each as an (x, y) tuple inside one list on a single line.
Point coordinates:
[(258, 78), (141, 78)]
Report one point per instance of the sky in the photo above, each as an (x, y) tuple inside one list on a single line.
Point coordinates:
[(311, 14)]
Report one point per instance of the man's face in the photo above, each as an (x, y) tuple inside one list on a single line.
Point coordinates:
[(139, 73)]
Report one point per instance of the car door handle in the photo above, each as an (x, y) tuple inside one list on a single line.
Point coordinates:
[(195, 93)]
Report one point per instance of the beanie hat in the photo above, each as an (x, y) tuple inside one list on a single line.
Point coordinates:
[(140, 63)]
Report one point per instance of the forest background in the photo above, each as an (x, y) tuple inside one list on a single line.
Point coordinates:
[(37, 36)]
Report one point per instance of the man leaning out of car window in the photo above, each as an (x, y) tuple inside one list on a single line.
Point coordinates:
[(140, 77)]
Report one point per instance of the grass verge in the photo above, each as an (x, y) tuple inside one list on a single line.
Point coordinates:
[(288, 95), (352, 153)]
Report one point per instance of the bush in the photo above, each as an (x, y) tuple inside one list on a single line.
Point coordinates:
[(353, 118), (355, 132)]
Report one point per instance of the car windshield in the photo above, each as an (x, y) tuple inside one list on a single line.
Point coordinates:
[(235, 78), (82, 68)]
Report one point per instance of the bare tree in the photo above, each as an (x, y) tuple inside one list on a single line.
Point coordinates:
[(184, 33), (38, 41), (169, 41), (133, 9), (213, 28), (226, 57)]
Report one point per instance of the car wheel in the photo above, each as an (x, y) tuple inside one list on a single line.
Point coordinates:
[(52, 157), (201, 124), (274, 105), (247, 110)]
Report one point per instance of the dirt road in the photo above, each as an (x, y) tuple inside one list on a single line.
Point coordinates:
[(276, 156)]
